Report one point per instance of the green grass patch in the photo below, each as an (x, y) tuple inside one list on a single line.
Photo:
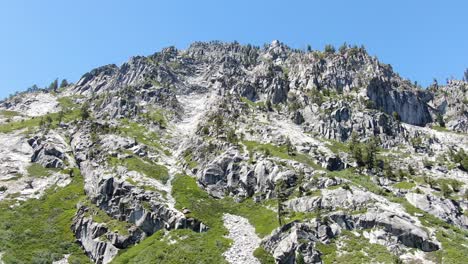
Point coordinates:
[(259, 104), (34, 122), (264, 256), (189, 247), (157, 116), (192, 247), (404, 185), (29, 124), (361, 180), (454, 245), (440, 129), (36, 170), (337, 146), (279, 152), (188, 158), (38, 230), (100, 216), (210, 210), (140, 133), (354, 250), (146, 167), (8, 113), (67, 103)]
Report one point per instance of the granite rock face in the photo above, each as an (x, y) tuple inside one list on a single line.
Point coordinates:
[(334, 143)]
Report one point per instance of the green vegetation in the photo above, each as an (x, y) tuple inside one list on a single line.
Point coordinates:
[(336, 146), (38, 171), (146, 167), (29, 124), (7, 113), (100, 216), (67, 103), (460, 157), (192, 247), (440, 120), (404, 185), (264, 256), (361, 180), (189, 247), (355, 249), (84, 112), (281, 152), (329, 49), (365, 154), (156, 116), (188, 158), (140, 133), (38, 230), (210, 210), (68, 113), (440, 129), (260, 104), (454, 245), (396, 116), (282, 196)]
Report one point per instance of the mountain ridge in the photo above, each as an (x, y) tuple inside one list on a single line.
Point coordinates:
[(316, 150)]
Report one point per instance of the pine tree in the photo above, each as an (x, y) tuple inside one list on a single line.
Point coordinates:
[(64, 83), (53, 86), (282, 197)]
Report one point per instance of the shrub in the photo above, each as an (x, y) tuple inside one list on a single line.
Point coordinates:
[(440, 120), (460, 157), (427, 163), (396, 116), (416, 142), (329, 48), (232, 137), (84, 111), (446, 190), (263, 256), (370, 104), (343, 48)]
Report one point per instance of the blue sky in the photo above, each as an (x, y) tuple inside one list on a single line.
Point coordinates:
[(48, 39)]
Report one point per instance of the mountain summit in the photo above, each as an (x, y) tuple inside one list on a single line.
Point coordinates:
[(229, 153)]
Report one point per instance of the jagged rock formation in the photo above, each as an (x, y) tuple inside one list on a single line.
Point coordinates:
[(336, 144)]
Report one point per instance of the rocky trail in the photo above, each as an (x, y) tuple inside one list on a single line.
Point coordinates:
[(245, 240)]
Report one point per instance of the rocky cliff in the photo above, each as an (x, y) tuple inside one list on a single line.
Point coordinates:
[(238, 154)]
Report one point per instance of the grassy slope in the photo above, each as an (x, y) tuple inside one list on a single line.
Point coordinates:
[(38, 231), (193, 247)]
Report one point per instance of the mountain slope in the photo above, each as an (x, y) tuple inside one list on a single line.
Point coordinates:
[(330, 156)]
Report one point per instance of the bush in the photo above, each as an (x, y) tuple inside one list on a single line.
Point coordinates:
[(440, 120), (396, 116), (84, 111), (343, 48), (263, 256), (232, 137), (446, 190), (329, 48), (427, 163), (460, 157), (370, 104)]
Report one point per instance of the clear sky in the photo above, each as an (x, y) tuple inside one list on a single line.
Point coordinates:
[(48, 39)]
